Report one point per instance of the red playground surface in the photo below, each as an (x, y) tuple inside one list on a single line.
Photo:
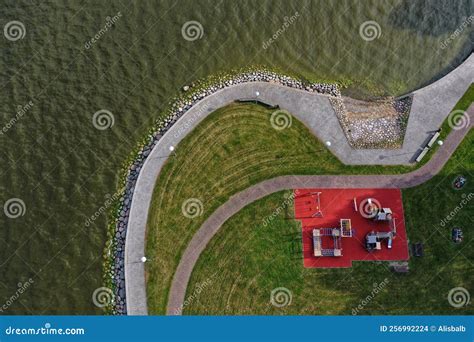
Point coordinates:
[(321, 209)]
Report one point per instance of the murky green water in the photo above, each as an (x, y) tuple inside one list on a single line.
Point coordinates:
[(62, 167)]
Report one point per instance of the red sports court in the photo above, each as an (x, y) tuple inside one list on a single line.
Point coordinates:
[(343, 225)]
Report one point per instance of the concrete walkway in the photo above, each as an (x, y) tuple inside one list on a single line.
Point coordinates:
[(237, 202), (316, 113)]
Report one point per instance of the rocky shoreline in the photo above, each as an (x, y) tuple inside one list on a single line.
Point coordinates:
[(117, 271)]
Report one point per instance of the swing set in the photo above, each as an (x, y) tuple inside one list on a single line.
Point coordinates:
[(314, 203)]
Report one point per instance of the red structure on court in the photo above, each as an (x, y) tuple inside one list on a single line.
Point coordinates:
[(345, 225)]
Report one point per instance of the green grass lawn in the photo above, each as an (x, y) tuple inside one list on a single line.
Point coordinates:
[(232, 149), (245, 261)]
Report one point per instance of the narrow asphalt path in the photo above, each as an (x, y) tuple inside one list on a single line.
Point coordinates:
[(431, 105), (237, 202)]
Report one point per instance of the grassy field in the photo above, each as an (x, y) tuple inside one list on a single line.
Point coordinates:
[(246, 260), (233, 148)]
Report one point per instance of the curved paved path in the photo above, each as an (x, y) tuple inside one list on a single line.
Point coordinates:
[(237, 202), (430, 107)]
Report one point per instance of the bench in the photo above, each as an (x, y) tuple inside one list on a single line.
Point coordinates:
[(433, 139), (250, 100), (430, 143), (422, 154)]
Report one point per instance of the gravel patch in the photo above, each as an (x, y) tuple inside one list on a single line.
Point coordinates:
[(373, 125)]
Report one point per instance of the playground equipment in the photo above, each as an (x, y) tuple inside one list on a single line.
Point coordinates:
[(456, 235), (339, 237), (371, 208), (318, 233), (316, 197), (345, 230), (383, 214), (459, 182), (373, 240), (319, 212)]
